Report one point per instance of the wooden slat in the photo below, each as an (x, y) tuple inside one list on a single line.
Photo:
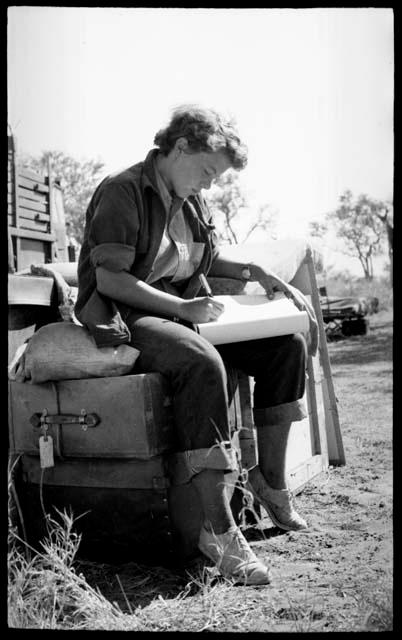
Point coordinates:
[(34, 215), (247, 435), (51, 198), (336, 451), (318, 431), (30, 194), (31, 175), (30, 184), (13, 169), (34, 235), (32, 224), (303, 473), (32, 205), (18, 251)]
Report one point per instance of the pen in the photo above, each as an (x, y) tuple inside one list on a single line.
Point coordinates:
[(205, 285)]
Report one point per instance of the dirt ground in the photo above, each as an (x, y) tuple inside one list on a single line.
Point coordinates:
[(341, 568), (337, 576)]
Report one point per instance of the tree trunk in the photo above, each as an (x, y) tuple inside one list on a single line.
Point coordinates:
[(367, 265)]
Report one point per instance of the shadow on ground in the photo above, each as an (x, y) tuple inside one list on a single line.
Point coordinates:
[(133, 585), (359, 350), (254, 534)]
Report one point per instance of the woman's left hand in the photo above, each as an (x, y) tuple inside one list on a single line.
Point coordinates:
[(273, 283)]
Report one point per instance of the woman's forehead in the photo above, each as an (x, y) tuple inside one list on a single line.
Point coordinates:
[(217, 160)]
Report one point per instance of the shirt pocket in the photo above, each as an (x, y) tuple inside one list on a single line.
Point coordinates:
[(190, 256)]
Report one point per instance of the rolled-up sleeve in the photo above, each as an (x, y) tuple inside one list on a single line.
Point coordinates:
[(113, 256), (114, 228)]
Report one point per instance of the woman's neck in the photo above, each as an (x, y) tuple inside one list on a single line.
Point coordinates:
[(163, 164)]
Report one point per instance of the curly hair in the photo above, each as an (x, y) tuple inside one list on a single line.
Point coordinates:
[(205, 130)]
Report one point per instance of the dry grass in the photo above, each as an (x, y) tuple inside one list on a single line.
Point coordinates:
[(335, 577), (45, 592)]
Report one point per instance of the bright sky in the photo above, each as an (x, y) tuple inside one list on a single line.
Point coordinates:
[(311, 89)]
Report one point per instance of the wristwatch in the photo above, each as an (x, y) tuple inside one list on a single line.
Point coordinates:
[(246, 273)]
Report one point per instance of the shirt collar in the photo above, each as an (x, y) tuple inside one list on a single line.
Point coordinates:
[(149, 177), (162, 187), (148, 174)]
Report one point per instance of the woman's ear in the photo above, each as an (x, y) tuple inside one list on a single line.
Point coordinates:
[(181, 145)]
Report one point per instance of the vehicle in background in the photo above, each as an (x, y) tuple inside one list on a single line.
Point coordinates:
[(345, 316)]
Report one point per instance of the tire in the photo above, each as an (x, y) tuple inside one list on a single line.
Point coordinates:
[(347, 328), (355, 327), (360, 327)]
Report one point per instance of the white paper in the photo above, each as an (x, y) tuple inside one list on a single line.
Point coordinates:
[(250, 317)]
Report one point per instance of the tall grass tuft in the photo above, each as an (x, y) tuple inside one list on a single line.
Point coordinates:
[(45, 592)]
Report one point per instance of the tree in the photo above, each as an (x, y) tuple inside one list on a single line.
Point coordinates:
[(357, 223), (385, 212), (231, 211), (77, 179)]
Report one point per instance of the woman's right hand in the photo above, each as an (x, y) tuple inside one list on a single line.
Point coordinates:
[(200, 310)]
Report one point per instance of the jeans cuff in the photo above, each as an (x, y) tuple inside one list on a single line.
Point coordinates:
[(183, 465), (281, 413)]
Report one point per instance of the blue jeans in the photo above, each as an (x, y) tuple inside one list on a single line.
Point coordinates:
[(196, 373)]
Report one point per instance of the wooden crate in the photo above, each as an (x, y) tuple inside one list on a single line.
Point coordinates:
[(35, 216)]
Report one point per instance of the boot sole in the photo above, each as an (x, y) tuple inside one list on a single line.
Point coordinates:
[(238, 579)]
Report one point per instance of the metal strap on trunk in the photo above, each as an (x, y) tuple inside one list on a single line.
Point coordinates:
[(85, 419), (44, 419)]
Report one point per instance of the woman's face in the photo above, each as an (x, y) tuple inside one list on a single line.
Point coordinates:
[(191, 172)]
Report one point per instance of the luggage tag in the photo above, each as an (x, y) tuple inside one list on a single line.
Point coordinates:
[(46, 450)]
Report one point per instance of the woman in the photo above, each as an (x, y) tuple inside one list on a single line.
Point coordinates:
[(148, 237)]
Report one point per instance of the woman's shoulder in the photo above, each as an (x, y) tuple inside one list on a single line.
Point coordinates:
[(129, 175)]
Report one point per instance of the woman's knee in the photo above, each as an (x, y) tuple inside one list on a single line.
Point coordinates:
[(205, 358), (296, 347), (291, 355)]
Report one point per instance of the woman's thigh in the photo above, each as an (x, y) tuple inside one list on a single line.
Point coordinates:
[(195, 372), (277, 364), (259, 356), (166, 346)]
